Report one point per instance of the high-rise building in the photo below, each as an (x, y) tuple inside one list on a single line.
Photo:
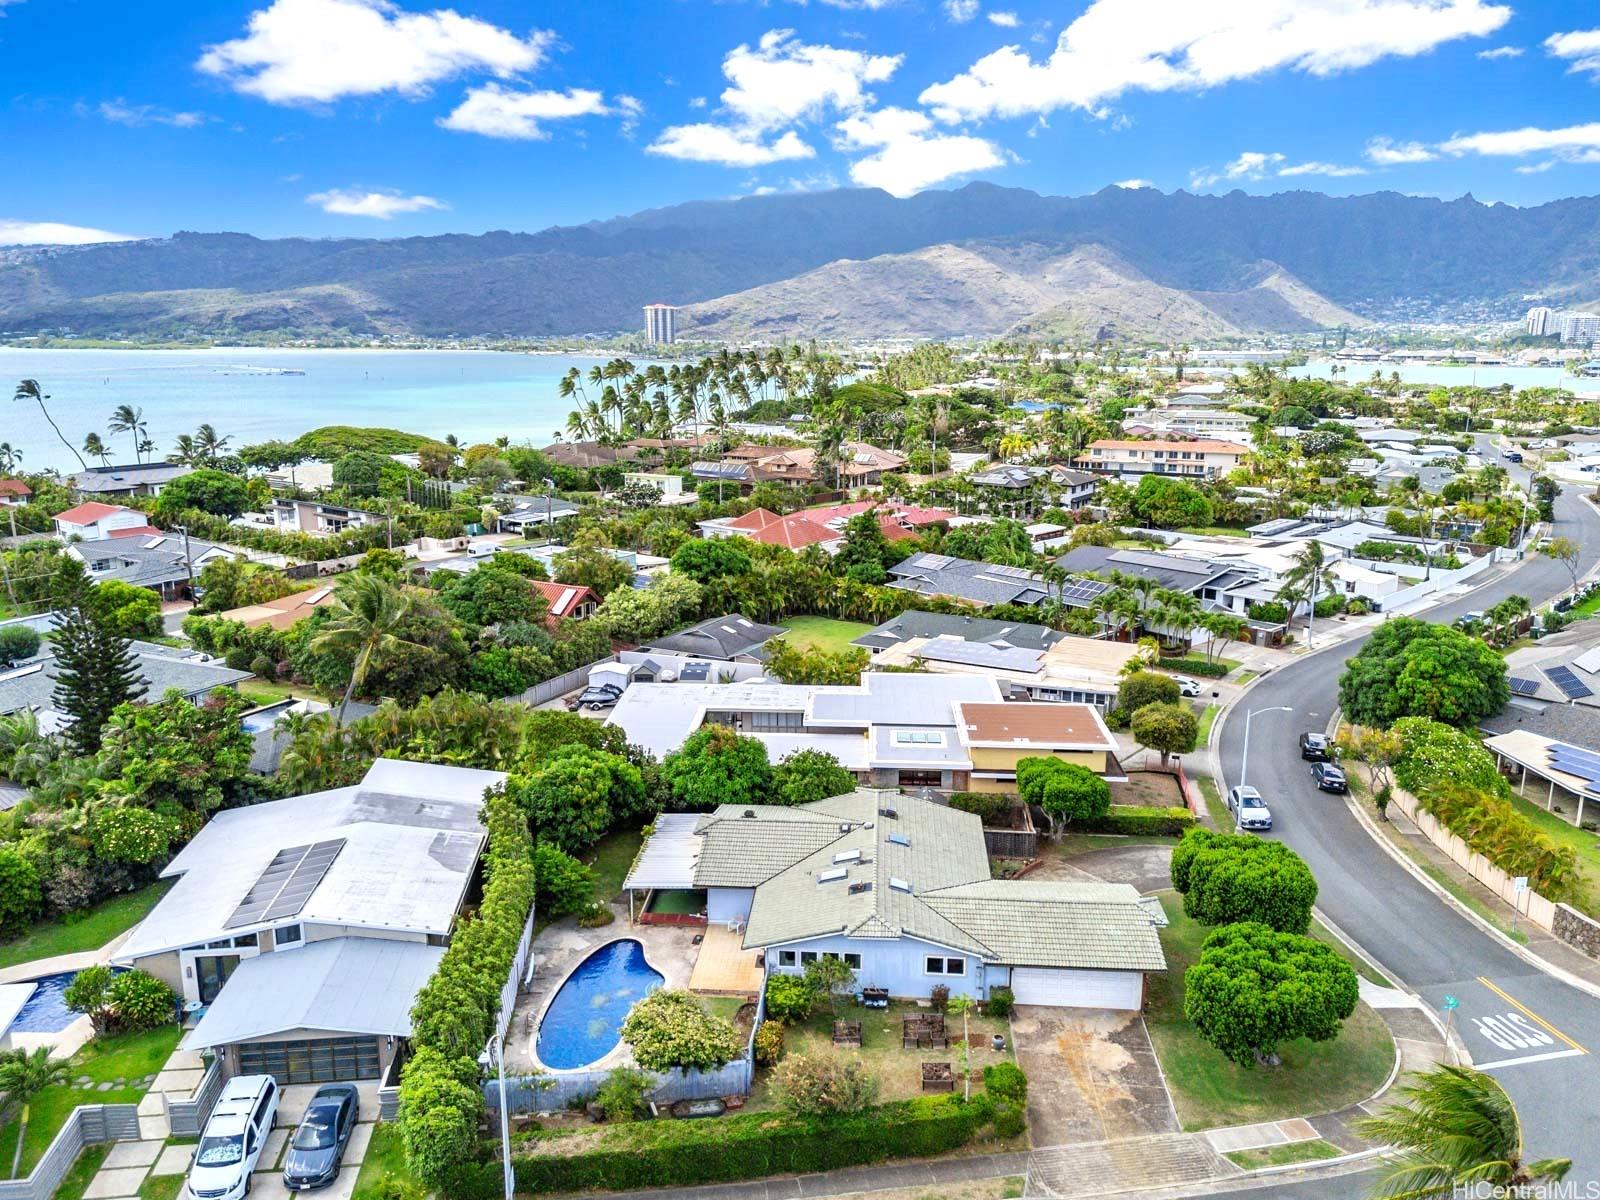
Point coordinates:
[(660, 324), (1538, 323), (1579, 327)]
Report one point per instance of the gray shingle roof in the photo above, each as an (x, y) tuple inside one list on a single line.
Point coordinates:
[(148, 561), (101, 481), (964, 579), (719, 637), (1047, 924), (914, 623), (33, 684)]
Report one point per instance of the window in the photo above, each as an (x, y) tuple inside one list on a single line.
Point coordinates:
[(853, 961), (807, 957), (786, 958), (918, 737), (938, 965), (928, 779), (777, 721), (287, 935)]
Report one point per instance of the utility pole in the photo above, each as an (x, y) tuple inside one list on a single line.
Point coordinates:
[(188, 560)]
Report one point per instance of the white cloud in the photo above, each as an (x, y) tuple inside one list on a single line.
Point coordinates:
[(1254, 165), (122, 113), (383, 205), (1497, 52), (1574, 143), (630, 109), (315, 51), (697, 102), (1133, 184), (501, 112), (54, 233), (1333, 170), (1006, 20), (1388, 153), (774, 86), (907, 155), (729, 147), (960, 11), (1538, 168), (1118, 46), (1580, 47)]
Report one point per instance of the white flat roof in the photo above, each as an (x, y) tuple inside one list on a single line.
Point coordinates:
[(411, 838)]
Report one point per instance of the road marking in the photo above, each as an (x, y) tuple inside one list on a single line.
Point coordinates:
[(1528, 1012), (1529, 1058)]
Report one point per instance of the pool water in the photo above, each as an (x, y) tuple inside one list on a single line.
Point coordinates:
[(266, 718), (584, 1022), (45, 1010)]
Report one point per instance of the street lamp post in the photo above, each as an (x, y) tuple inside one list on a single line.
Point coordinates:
[(1244, 760)]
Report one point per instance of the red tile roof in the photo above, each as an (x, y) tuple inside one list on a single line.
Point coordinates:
[(755, 519), (139, 531), (563, 598), (88, 514), (14, 487), (796, 532)]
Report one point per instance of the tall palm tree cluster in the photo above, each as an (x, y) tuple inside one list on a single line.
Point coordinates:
[(124, 419), (617, 401), (1134, 603), (202, 448)]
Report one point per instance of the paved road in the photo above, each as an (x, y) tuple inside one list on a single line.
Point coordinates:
[(1510, 1013)]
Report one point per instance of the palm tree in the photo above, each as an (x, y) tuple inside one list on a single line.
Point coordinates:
[(28, 389), (1456, 1129), (209, 443), (10, 456), (1311, 573), (184, 450), (94, 447), (130, 420), (23, 1075), (364, 626)]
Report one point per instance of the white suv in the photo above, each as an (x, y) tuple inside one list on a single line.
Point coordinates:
[(234, 1135)]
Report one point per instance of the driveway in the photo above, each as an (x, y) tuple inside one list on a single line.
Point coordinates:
[(1092, 1075), (1147, 867)]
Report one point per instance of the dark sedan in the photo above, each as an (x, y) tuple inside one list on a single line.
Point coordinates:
[(319, 1142), (1329, 777), (1314, 747)]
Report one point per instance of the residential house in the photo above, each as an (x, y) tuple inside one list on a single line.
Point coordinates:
[(669, 485), (566, 601), (160, 669), (733, 638), (167, 563), (302, 929), (283, 612), (1062, 487), (318, 519), (977, 583), (534, 512), (14, 493), (825, 526), (891, 730), (93, 521), (1200, 458), (128, 479), (1189, 421), (899, 888), (862, 465)]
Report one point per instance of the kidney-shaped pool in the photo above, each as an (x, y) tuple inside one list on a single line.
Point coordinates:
[(584, 1022)]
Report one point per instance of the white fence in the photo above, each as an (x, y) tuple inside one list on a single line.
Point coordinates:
[(514, 979), (1439, 581)]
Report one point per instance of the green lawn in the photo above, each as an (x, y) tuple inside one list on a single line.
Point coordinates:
[(386, 1155), (1070, 844), (1280, 1156), (1208, 718), (1586, 843), (76, 1180), (1587, 609), (1215, 808), (127, 1057), (1214, 531), (611, 860), (824, 633), (1209, 1091), (87, 929), (260, 692)]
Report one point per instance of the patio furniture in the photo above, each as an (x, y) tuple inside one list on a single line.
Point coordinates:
[(874, 997), (938, 1077), (847, 1033)]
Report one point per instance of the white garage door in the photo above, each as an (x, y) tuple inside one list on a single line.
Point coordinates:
[(1066, 988)]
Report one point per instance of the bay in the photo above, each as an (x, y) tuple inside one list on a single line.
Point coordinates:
[(254, 395)]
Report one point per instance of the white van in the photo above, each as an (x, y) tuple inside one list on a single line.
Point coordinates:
[(233, 1138)]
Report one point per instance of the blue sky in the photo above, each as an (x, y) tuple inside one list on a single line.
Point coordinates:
[(367, 117)]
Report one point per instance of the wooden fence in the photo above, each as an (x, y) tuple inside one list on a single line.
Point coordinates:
[(188, 1117)]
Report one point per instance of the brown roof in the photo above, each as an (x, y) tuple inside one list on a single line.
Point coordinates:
[(1067, 726), (14, 487), (282, 612), (1168, 444)]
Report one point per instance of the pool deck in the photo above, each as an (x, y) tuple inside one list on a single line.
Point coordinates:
[(39, 967), (724, 967)]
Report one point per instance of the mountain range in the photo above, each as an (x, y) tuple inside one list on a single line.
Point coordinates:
[(979, 260)]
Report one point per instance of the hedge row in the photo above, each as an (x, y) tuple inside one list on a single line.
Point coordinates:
[(1136, 820), (441, 1103), (1195, 666), (654, 1154)]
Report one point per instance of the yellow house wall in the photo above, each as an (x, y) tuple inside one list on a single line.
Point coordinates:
[(1005, 759)]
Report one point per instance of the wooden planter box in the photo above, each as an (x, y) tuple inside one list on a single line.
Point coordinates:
[(938, 1077)]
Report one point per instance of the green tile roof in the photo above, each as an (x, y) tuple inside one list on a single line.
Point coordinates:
[(741, 851), (1046, 924)]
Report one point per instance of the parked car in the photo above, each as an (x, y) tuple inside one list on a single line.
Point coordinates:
[(1187, 686), (234, 1134), (1315, 747), (599, 697), (320, 1139), (1475, 617), (1249, 809), (1329, 778), (1513, 456)]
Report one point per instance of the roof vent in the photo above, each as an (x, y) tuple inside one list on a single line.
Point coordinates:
[(856, 889), (899, 885), (845, 856), (749, 813), (900, 839), (832, 875), (888, 812), (845, 827)]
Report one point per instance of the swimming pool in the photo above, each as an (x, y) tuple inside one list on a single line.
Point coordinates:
[(45, 1010), (584, 1022), (266, 718)]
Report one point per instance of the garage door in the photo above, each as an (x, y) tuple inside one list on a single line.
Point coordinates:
[(1064, 988), (315, 1060)]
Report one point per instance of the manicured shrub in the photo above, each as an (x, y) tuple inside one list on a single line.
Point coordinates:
[(1005, 1081), (140, 1001), (990, 807), (769, 1043), (623, 1094), (1134, 820), (1227, 877), (16, 643), (20, 892), (1146, 687), (1203, 667), (789, 998), (1001, 1001)]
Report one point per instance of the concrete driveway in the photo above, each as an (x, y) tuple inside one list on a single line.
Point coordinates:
[(1147, 867), (1092, 1075)]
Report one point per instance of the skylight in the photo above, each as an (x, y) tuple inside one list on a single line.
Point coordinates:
[(898, 884), (900, 839), (832, 875), (846, 856)]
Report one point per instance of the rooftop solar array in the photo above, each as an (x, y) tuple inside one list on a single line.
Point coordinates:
[(1083, 591), (934, 562), (1010, 572), (980, 654), (1522, 687), (287, 883), (1582, 763), (1563, 678)]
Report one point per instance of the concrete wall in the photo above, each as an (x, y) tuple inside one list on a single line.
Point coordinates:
[(728, 904), (893, 964), (164, 967), (86, 1125)]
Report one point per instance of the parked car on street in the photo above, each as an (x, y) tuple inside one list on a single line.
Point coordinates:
[(1188, 687), (1329, 778), (233, 1138), (1315, 747), (319, 1141), (1248, 808)]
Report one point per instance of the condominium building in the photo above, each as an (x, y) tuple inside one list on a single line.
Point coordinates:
[(660, 324), (1122, 456), (1538, 321)]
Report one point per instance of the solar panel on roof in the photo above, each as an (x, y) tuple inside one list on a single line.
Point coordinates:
[(1522, 687), (1589, 661), (1009, 572), (935, 562), (282, 889), (1563, 678)]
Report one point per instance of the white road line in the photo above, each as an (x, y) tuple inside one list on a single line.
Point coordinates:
[(1530, 1058)]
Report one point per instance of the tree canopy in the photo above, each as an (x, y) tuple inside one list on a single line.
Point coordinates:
[(1064, 791), (1412, 668), (1226, 877), (716, 766), (807, 776)]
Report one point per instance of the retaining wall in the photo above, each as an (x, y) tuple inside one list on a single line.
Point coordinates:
[(87, 1125)]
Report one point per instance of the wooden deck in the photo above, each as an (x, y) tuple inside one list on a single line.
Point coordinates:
[(725, 967)]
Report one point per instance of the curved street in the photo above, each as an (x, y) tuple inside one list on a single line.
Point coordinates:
[(1542, 1032)]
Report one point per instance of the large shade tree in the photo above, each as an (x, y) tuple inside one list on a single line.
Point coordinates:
[(1413, 668)]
